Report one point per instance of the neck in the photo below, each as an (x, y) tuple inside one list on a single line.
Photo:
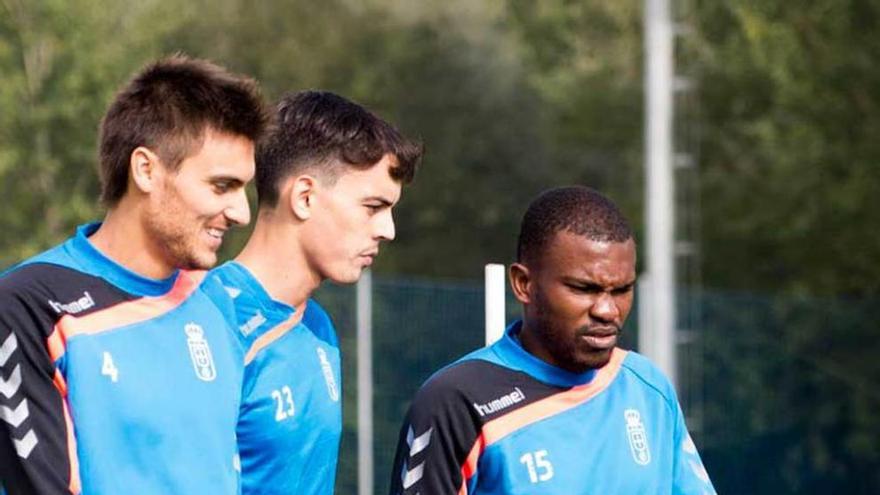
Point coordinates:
[(283, 271), (531, 342), (123, 238)]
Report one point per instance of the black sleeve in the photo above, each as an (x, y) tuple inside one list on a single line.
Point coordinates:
[(439, 431), (442, 438), (33, 429)]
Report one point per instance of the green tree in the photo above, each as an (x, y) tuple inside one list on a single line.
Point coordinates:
[(60, 63), (790, 99)]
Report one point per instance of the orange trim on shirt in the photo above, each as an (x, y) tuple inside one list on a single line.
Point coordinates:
[(498, 428), (75, 485), (469, 468), (55, 344), (274, 334), (131, 312), (60, 383)]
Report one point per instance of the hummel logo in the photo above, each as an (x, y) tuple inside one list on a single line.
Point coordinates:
[(9, 386), (500, 403), (252, 324), (9, 346), (24, 446), (416, 444), (327, 370), (83, 303), (15, 416)]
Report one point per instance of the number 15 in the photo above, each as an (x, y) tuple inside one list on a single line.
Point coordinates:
[(535, 462)]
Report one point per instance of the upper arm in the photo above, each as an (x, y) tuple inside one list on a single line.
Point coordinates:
[(35, 436), (689, 476), (435, 440)]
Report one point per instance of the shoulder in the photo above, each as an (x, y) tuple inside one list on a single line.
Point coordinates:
[(320, 323), (220, 294), (476, 379), (315, 314), (43, 267), (641, 369), (56, 284), (460, 377), (38, 292), (58, 256), (228, 287)]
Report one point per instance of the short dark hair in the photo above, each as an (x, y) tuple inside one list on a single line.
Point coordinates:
[(320, 130), (167, 107), (576, 209)]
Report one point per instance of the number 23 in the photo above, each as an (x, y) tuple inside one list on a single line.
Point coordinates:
[(284, 407)]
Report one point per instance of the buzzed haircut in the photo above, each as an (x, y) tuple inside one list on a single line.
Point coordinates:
[(167, 107), (324, 133), (576, 209)]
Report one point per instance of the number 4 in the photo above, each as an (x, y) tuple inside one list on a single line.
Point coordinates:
[(108, 368), (537, 461)]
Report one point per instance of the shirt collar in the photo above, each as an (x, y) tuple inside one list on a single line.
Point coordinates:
[(95, 262), (511, 351)]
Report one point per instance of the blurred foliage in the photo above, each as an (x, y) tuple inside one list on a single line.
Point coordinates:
[(512, 97), (791, 106)]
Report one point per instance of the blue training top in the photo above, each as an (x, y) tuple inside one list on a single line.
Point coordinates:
[(112, 382), (502, 421), (291, 414)]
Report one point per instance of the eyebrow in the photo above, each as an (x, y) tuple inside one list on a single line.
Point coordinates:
[(380, 199), (590, 284), (226, 178)]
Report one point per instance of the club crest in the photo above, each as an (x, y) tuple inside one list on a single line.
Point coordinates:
[(638, 437), (200, 353)]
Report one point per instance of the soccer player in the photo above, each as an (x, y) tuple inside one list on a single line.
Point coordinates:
[(328, 175), (117, 372), (555, 407)]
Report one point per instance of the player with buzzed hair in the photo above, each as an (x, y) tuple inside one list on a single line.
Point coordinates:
[(328, 175), (555, 407), (118, 373)]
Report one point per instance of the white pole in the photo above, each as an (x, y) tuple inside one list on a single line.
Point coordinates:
[(660, 326), (643, 297), (365, 382), (494, 286)]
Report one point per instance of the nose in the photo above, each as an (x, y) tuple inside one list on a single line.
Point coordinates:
[(385, 227), (238, 212), (604, 308)]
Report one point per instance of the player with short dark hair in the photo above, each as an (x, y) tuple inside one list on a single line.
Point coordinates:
[(329, 174), (167, 108), (118, 374), (554, 406)]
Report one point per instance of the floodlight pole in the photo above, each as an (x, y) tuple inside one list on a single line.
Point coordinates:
[(365, 383), (657, 337)]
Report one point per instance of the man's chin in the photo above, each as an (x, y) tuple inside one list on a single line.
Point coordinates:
[(347, 278), (593, 360), (200, 261)]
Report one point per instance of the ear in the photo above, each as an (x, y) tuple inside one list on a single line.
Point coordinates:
[(520, 282), (302, 196), (145, 168)]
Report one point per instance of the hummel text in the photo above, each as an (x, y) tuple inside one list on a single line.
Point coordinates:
[(73, 307), (500, 403)]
